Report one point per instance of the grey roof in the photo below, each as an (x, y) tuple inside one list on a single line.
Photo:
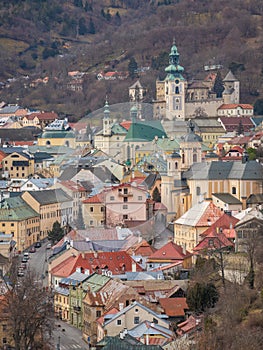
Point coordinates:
[(144, 275), (9, 109), (105, 246), (74, 279), (150, 180), (227, 198), (147, 327), (214, 170), (230, 77), (22, 134), (255, 199), (50, 196), (69, 173)]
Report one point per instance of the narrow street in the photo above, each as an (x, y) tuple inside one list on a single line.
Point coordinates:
[(65, 337)]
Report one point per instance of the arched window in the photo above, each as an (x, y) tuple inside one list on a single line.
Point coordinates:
[(176, 165), (198, 191), (67, 143), (183, 158), (234, 190), (194, 158)]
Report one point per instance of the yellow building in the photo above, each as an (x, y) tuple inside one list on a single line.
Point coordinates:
[(61, 303), (52, 206), (21, 221), (18, 165), (57, 138), (94, 211)]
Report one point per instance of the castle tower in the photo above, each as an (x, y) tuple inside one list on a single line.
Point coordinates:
[(107, 122), (231, 94), (175, 87)]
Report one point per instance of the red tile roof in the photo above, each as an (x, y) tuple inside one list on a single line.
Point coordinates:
[(189, 325), (143, 248), (171, 252), (234, 105), (126, 124), (116, 262), (232, 123), (224, 222), (209, 216), (214, 240), (174, 307), (42, 116), (97, 198)]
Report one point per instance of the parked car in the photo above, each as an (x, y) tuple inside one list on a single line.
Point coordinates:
[(37, 244), (20, 273), (24, 260), (32, 250), (49, 246)]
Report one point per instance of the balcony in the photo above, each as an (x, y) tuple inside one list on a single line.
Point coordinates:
[(128, 194)]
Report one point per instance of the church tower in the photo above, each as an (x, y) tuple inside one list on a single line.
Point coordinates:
[(175, 87), (107, 122)]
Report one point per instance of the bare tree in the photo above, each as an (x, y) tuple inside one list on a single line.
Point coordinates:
[(30, 310)]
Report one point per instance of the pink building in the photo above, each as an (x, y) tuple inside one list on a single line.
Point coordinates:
[(127, 202)]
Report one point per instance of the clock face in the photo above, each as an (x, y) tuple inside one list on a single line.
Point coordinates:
[(177, 81)]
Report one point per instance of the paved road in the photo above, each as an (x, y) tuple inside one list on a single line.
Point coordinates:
[(65, 337), (68, 337)]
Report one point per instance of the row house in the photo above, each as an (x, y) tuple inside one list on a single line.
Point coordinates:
[(52, 206), (104, 263), (118, 205)]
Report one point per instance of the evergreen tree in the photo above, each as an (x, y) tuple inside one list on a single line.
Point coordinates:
[(156, 195), (132, 68), (202, 296), (240, 128), (91, 29), (56, 233), (218, 85), (258, 107), (82, 29), (117, 19)]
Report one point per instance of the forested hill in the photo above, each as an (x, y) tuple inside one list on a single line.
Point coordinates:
[(49, 38)]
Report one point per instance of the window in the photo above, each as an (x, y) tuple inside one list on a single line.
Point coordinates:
[(118, 322), (111, 198), (98, 313), (4, 327), (125, 191), (136, 320), (125, 199), (139, 198), (125, 217), (234, 190), (198, 191), (91, 209), (91, 222), (102, 209), (125, 206), (3, 225), (194, 158)]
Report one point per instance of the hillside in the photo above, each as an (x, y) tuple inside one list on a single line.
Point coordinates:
[(49, 38)]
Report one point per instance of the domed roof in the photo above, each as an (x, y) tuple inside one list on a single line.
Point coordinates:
[(175, 155), (191, 136)]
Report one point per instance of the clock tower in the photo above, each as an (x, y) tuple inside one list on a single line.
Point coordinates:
[(175, 87)]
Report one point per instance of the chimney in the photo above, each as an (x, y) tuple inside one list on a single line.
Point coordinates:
[(134, 267), (121, 305), (184, 249)]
